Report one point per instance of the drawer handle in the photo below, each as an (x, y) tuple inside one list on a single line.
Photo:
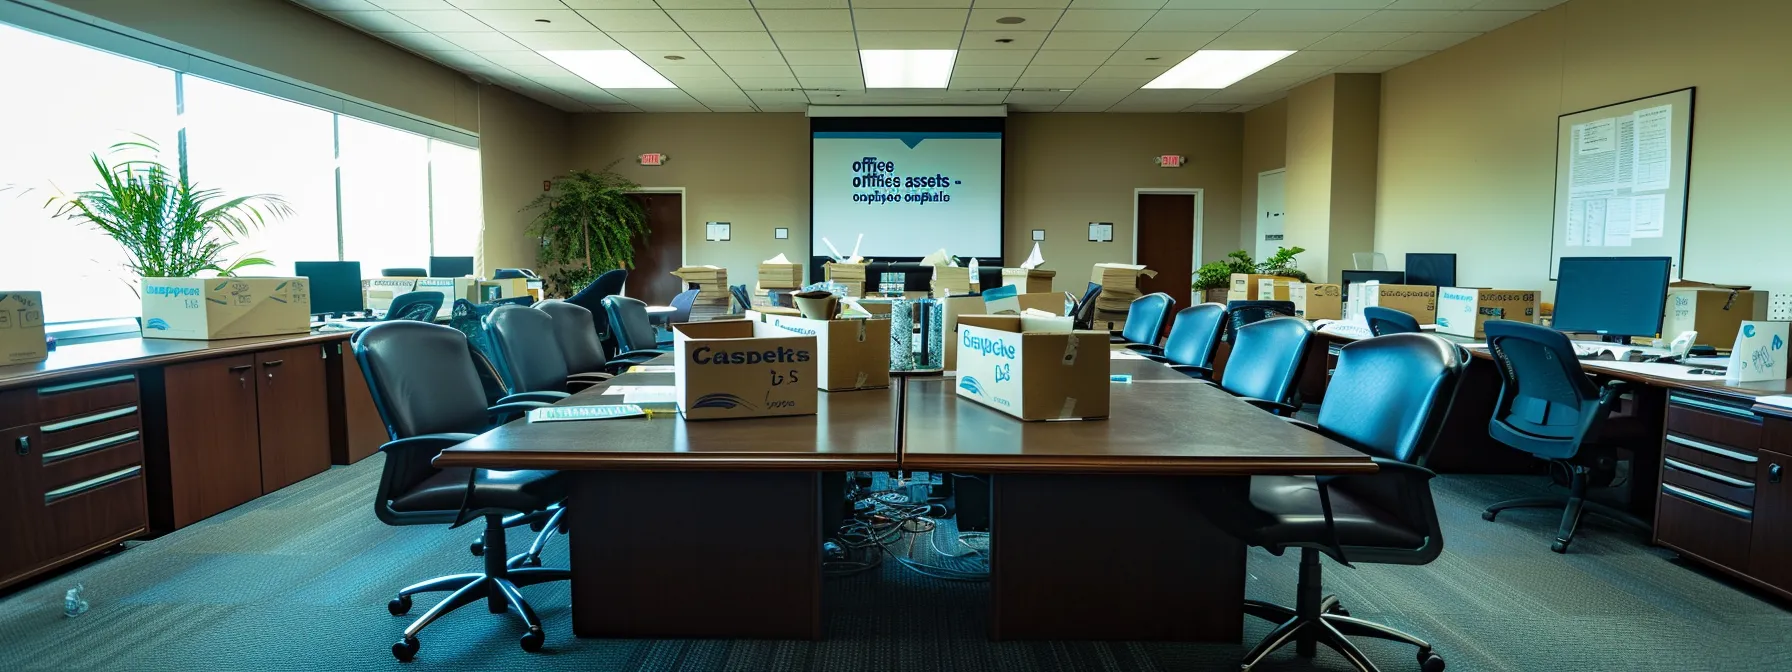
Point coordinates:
[(1712, 406), (90, 446), (1714, 503), (97, 382), (91, 484), (88, 420), (1714, 450), (275, 362), (240, 368), (1707, 473)]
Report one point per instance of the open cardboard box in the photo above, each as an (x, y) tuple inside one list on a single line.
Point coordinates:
[(1033, 368), (742, 369), (22, 328), (853, 354), (1464, 311), (218, 308)]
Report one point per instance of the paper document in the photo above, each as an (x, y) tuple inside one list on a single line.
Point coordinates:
[(1121, 353), (645, 368), (625, 389), (780, 259), (651, 394), (1780, 400), (1617, 222), (1657, 369), (1594, 163), (603, 412), (1648, 215), (1654, 148), (1034, 259)]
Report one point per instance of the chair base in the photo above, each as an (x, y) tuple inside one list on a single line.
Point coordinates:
[(1316, 620), (1573, 506), (545, 522), (498, 585)]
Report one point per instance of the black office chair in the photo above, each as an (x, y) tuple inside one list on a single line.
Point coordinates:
[(1241, 313), (468, 318), (1145, 319), (415, 306), (514, 274), (1085, 309), (743, 301), (681, 306), (430, 398), (1387, 399), (1266, 362), (527, 354), (404, 272), (629, 324), (591, 298), (1194, 334), (1384, 321), (578, 341), (1548, 407)]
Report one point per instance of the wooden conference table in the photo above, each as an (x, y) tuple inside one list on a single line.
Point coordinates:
[(1094, 536)]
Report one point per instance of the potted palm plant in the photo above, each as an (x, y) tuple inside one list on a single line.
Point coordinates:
[(588, 224)]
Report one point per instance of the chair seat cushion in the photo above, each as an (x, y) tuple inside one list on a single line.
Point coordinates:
[(519, 491), (1285, 510)]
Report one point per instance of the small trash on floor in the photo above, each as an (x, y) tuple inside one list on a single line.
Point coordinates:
[(74, 603)]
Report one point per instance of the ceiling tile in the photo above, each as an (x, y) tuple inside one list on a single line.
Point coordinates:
[(1098, 96), (507, 4), (629, 20), (1090, 57), (1104, 19), (1130, 71), (375, 21), (1430, 41), (1064, 109), (719, 84), (1356, 41), (1210, 108), (1059, 71), (442, 21), (550, 41), (1116, 4), (1169, 41), (412, 4), (655, 41), (1431, 4), (1239, 40), (1021, 4), (419, 41), (1168, 58), (1085, 41), (1030, 107), (1518, 4), (1420, 20), (750, 83), (685, 57), (795, 58), (909, 19), (541, 71), (1482, 21), (483, 41), (1037, 97), (1325, 58), (757, 71), (800, 4), (1277, 4), (995, 57), (765, 97), (1196, 20), (717, 99), (780, 20), (1115, 82), (1017, 40), (1033, 19), (459, 58), (689, 72), (529, 21), (341, 5), (716, 19), (1295, 72), (747, 57), (835, 71), (618, 109), (743, 41), (1389, 58), (510, 58), (1009, 71), (1048, 82), (611, 4), (656, 96), (981, 82), (926, 4), (789, 41), (1327, 20), (908, 39), (973, 97), (706, 4)]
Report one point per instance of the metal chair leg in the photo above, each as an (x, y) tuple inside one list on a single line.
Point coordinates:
[(439, 584), (1338, 642), (1523, 503), (1273, 613), (1356, 627), (1276, 639), (529, 576), (459, 598)]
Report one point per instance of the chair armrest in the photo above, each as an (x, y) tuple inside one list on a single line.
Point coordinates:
[(591, 376), (1145, 347), (431, 442), (640, 354), (548, 397), (1275, 407), (1192, 371), (507, 411), (1609, 393)]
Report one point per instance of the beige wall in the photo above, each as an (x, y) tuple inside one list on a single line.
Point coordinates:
[(1309, 178), (1265, 148), (524, 144), (1468, 135), (1356, 118)]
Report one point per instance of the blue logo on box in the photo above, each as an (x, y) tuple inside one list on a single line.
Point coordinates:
[(722, 400), (156, 323), (1748, 330), (970, 385)]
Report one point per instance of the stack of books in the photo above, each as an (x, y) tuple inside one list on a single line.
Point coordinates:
[(1119, 287), (711, 283)]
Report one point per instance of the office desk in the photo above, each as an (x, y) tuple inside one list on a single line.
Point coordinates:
[(1092, 533), (696, 529)]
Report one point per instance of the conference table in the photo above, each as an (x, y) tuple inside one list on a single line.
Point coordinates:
[(1094, 535)]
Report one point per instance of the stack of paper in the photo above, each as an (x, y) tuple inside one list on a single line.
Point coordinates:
[(711, 283), (779, 273), (850, 275), (1119, 287)]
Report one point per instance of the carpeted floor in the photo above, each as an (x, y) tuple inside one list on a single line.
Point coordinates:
[(298, 580)]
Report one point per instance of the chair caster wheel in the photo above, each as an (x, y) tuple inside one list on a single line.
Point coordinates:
[(1558, 546), (405, 649), (478, 548), (1430, 662), (1488, 516), (400, 605), (537, 526), (1340, 611), (532, 641)]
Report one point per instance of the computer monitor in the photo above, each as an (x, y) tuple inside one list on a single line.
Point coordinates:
[(335, 285), (1615, 297), (450, 267), (1383, 277), (1437, 269)]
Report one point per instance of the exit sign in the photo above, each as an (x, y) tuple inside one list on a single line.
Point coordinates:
[(653, 159), (1170, 161)]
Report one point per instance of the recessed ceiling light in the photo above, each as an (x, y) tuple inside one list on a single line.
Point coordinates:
[(907, 68), (1011, 20), (543, 21), (674, 57), (610, 68), (1215, 69), (1151, 58)]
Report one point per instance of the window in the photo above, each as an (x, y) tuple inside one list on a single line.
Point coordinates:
[(385, 196), (454, 202)]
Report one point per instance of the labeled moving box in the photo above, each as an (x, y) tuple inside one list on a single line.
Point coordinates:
[(1015, 365), (851, 275), (1716, 313), (1258, 287), (451, 288), (854, 353), (740, 369), (957, 306), (377, 293), (1030, 280), (214, 308), (22, 328), (780, 276), (1465, 312), (1314, 301), (508, 288), (951, 281), (1419, 301)]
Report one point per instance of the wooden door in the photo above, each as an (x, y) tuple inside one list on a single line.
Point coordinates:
[(293, 414), (1770, 552), (1166, 244), (214, 446), (661, 253)]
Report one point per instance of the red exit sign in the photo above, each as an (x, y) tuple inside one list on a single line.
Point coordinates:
[(653, 159), (1170, 161)]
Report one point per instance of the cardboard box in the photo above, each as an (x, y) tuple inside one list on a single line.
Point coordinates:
[(1716, 313), (854, 354), (451, 289), (1030, 281), (1316, 301), (1419, 301), (780, 276), (951, 281), (851, 275), (492, 290), (1464, 312), (377, 293), (215, 308), (743, 369), (1259, 287), (955, 307), (1032, 375), (22, 328)]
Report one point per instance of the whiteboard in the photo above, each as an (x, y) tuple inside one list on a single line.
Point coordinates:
[(1621, 178)]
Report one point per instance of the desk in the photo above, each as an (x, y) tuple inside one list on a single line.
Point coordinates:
[(1092, 533), (696, 529)]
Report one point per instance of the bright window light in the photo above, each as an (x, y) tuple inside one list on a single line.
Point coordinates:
[(610, 69), (1215, 69), (907, 68)]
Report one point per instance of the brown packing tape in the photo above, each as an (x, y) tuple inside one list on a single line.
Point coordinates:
[(1070, 350), (1069, 408)]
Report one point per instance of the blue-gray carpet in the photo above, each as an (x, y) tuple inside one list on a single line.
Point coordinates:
[(298, 580)]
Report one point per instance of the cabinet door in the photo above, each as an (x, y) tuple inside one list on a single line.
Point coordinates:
[(21, 500), (292, 405), (366, 432), (214, 456), (1770, 554)]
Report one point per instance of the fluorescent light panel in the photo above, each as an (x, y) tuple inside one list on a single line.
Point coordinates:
[(610, 68), (907, 68), (1215, 69)]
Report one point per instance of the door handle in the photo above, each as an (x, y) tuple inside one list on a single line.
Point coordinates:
[(240, 368), (24, 445), (276, 362), (1774, 472)]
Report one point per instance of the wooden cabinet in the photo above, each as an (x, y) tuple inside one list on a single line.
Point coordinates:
[(356, 430), (293, 418), (1725, 500), (1770, 553)]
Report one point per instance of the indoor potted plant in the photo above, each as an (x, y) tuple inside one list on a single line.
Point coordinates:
[(1213, 279), (588, 224)]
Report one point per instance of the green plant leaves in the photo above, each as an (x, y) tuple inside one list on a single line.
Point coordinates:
[(588, 224)]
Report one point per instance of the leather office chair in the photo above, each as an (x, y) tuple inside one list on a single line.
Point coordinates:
[(1392, 395), (415, 306), (1194, 334), (1266, 362), (527, 354), (1384, 321), (430, 399), (1241, 313), (468, 318), (681, 306), (629, 324), (578, 341), (591, 298), (1085, 309), (1548, 407), (404, 272), (743, 301), (514, 274), (1145, 319)]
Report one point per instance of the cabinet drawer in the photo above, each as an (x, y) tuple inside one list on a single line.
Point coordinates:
[(91, 512), (85, 428), (1724, 459), (88, 460), (81, 397), (1704, 526), (1738, 491)]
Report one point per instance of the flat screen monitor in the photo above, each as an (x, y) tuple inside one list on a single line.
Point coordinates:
[(1431, 268), (335, 285), (1615, 297), (1383, 277), (450, 267)]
